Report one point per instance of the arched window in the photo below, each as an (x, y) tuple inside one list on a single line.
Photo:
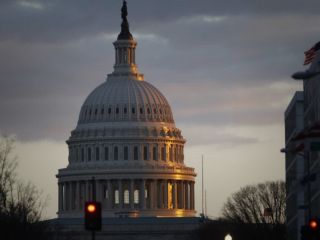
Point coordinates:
[(126, 197), (105, 193), (136, 196), (106, 153), (116, 197), (89, 154), (125, 153), (163, 153), (155, 153), (115, 153), (82, 154), (145, 153), (135, 153), (97, 153)]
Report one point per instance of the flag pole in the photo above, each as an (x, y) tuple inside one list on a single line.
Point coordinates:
[(202, 186)]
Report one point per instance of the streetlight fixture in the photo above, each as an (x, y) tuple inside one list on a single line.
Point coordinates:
[(228, 237)]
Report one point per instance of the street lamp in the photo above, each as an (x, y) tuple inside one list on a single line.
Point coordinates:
[(228, 237)]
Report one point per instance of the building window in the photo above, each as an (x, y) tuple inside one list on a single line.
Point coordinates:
[(89, 154), (154, 111), (148, 110), (97, 153), (96, 112), (155, 153), (136, 196), (126, 197), (105, 193), (163, 153), (125, 153), (117, 110), (102, 111), (109, 110), (145, 153), (133, 110), (115, 153), (170, 154), (125, 110), (116, 197), (141, 110), (106, 153), (82, 154), (135, 153)]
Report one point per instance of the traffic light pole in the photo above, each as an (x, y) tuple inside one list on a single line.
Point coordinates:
[(93, 197)]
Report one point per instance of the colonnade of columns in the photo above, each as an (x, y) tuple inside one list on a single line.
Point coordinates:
[(128, 194)]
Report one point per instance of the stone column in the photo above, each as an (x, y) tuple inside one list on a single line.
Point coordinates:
[(68, 208), (151, 194), (77, 200), (131, 194), (120, 193), (174, 194), (183, 200), (87, 194), (192, 195), (180, 194), (110, 195), (142, 194), (60, 197), (72, 196), (165, 193), (155, 193), (98, 191), (160, 194), (187, 194)]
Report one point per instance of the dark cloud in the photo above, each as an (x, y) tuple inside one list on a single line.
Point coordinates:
[(200, 54), (60, 20)]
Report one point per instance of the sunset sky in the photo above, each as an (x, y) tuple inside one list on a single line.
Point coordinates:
[(224, 67)]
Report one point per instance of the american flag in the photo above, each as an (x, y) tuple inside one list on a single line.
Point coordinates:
[(311, 54)]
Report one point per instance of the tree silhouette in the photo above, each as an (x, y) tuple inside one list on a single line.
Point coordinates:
[(21, 203), (260, 203)]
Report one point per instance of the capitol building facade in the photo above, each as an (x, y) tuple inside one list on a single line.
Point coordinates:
[(126, 139)]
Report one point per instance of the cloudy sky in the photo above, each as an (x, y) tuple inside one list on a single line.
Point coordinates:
[(224, 66)]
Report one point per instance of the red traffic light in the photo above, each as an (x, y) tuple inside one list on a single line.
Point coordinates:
[(313, 224), (91, 208), (92, 216)]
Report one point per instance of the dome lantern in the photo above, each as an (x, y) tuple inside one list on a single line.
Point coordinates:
[(125, 46)]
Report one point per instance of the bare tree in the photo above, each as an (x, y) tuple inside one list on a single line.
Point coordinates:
[(8, 164), (21, 204), (261, 203)]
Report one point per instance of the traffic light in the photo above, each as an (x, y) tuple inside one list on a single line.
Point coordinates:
[(311, 231), (92, 216)]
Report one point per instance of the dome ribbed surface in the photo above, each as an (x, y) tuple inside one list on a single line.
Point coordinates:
[(125, 100)]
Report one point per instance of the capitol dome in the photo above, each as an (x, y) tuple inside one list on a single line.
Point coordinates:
[(126, 151)]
